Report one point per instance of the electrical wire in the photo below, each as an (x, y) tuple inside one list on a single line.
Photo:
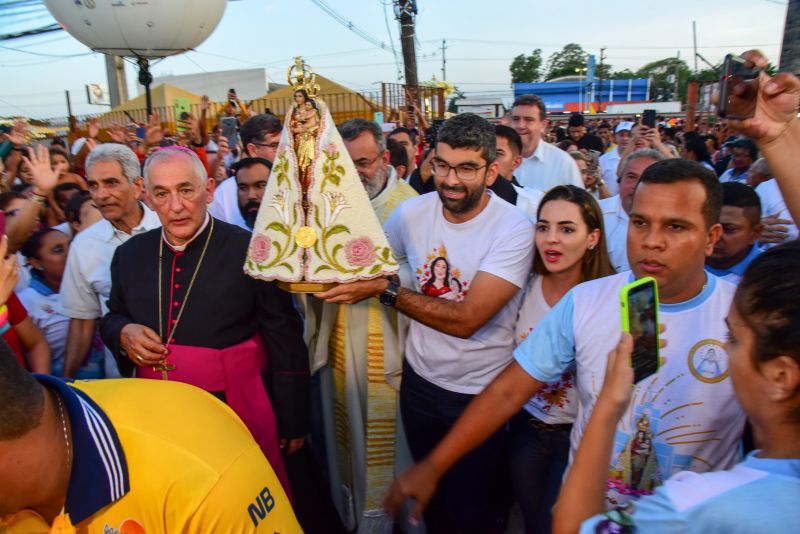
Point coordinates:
[(45, 55), (349, 25), (391, 41)]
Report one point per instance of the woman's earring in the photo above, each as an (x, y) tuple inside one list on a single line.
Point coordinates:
[(591, 247)]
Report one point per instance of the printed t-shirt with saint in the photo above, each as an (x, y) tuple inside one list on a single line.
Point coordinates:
[(445, 258), (154, 456), (683, 418), (557, 402), (758, 495)]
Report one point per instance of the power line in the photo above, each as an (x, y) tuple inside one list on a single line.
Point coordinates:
[(391, 40), (45, 55), (610, 47), (349, 25)]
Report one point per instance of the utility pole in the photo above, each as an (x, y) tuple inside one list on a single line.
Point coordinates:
[(677, 74), (405, 11), (117, 83), (694, 37), (444, 60), (600, 81), (790, 53)]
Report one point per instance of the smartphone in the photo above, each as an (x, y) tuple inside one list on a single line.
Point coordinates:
[(229, 130), (183, 107), (738, 89), (649, 118), (639, 308)]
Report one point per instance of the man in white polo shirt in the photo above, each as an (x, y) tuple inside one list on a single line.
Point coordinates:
[(684, 417), (543, 165), (115, 184), (470, 253), (610, 160), (615, 209)]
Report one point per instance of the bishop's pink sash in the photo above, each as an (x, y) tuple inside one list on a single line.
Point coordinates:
[(236, 371)]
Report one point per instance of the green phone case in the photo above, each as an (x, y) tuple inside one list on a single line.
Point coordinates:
[(623, 301)]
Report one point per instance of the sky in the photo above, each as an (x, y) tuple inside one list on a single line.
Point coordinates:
[(482, 39)]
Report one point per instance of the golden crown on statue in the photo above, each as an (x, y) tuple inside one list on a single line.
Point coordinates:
[(304, 77)]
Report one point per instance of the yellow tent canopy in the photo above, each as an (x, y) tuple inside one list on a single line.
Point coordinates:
[(163, 97)]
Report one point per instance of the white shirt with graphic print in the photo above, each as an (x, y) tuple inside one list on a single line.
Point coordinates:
[(498, 241), (557, 402), (683, 418)]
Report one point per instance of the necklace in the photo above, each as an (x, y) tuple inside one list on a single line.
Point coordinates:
[(164, 366), (64, 428)]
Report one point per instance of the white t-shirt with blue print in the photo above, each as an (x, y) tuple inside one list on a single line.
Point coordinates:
[(683, 418), (758, 495)]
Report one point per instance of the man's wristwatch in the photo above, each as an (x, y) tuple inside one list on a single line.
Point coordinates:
[(389, 295)]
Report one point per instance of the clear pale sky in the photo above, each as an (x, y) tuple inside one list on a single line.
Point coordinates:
[(482, 38)]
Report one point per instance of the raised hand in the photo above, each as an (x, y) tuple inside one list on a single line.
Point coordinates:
[(118, 134), (18, 133), (45, 177), (9, 267), (154, 134), (92, 128), (776, 106)]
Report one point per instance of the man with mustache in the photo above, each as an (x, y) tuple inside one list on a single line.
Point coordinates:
[(251, 180), (461, 339), (115, 184)]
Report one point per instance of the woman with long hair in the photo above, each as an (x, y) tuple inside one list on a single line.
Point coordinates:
[(570, 249)]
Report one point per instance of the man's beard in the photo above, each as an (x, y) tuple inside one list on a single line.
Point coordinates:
[(470, 200), (374, 185), (250, 213)]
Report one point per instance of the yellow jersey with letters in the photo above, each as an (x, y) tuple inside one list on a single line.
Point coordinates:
[(151, 456)]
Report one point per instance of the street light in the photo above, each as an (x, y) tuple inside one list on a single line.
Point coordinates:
[(581, 71)]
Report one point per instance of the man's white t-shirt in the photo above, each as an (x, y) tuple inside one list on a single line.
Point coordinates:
[(557, 402), (498, 241), (772, 203), (548, 167), (683, 418), (608, 166), (615, 225)]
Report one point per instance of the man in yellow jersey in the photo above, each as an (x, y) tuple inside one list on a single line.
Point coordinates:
[(129, 457)]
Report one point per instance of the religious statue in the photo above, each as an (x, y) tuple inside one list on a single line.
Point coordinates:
[(304, 126), (316, 226)]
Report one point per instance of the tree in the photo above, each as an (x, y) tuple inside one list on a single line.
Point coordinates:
[(565, 61), (659, 73), (527, 69)]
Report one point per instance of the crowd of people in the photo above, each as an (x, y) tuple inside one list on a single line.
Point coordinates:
[(489, 378)]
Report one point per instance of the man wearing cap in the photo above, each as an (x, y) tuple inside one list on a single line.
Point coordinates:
[(610, 160), (577, 132)]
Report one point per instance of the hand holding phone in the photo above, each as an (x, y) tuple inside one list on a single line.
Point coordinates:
[(649, 118), (639, 308), (738, 88)]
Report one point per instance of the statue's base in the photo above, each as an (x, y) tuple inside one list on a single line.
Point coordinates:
[(305, 287)]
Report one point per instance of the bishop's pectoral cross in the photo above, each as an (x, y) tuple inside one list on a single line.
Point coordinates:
[(164, 366)]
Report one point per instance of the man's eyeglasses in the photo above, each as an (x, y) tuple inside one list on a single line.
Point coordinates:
[(365, 163), (466, 172), (268, 145)]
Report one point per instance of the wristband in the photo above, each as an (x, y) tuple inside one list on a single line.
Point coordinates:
[(4, 323)]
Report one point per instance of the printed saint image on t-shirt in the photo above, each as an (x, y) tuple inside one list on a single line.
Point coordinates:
[(437, 278)]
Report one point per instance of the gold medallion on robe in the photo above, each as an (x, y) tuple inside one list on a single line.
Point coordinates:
[(305, 237)]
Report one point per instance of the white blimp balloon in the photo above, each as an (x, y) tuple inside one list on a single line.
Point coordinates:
[(137, 28)]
